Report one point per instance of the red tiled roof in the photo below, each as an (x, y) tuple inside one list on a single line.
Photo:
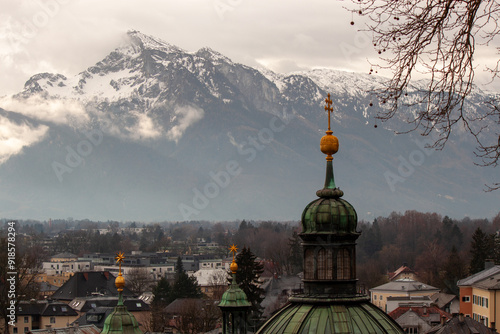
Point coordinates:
[(402, 269)]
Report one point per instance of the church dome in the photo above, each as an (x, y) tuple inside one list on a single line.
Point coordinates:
[(332, 215), (330, 317), (121, 321), (329, 213), (234, 296)]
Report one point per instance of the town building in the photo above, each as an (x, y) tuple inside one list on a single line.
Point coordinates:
[(64, 257), (446, 302), (403, 272), (399, 288), (480, 296), (393, 303), (461, 324), (57, 279), (89, 283), (213, 282), (419, 319), (44, 314)]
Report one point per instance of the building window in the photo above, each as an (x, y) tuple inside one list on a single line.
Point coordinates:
[(466, 299), (309, 264), (325, 264), (52, 320), (26, 329), (26, 320), (486, 301), (381, 297), (375, 297), (14, 330), (411, 330), (343, 264)]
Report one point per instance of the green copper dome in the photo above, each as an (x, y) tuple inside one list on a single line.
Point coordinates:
[(121, 321), (333, 316), (329, 213), (234, 296)]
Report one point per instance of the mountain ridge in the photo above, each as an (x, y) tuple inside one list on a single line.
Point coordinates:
[(193, 135)]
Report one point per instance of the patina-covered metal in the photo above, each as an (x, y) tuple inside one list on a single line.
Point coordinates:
[(234, 296), (330, 316), (121, 321)]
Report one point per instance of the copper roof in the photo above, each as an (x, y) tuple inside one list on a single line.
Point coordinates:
[(333, 318)]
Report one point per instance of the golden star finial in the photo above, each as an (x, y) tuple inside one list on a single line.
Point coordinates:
[(120, 281), (234, 267), (119, 257), (233, 249)]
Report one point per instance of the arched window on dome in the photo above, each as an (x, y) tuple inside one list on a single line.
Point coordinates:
[(309, 264), (325, 264), (343, 264)]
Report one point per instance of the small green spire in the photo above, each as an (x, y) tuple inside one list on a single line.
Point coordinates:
[(329, 178), (120, 298)]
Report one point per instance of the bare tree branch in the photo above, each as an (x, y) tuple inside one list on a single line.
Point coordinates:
[(436, 39)]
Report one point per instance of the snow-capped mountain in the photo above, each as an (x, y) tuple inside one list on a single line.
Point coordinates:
[(154, 132)]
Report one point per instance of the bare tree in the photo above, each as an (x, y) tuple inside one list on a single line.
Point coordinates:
[(198, 316), (437, 38), (139, 280), (24, 286), (218, 283)]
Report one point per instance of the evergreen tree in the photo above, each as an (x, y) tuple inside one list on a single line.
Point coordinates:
[(247, 276), (184, 285), (373, 239), (162, 292), (453, 271), (482, 249)]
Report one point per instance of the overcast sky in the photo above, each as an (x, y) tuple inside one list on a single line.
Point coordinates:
[(68, 36)]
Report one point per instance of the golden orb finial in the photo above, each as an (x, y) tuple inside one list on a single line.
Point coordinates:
[(329, 144), (120, 280), (234, 266)]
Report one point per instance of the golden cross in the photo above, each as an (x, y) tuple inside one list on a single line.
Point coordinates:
[(328, 108)]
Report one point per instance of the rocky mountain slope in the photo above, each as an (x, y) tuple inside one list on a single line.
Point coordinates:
[(153, 132)]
